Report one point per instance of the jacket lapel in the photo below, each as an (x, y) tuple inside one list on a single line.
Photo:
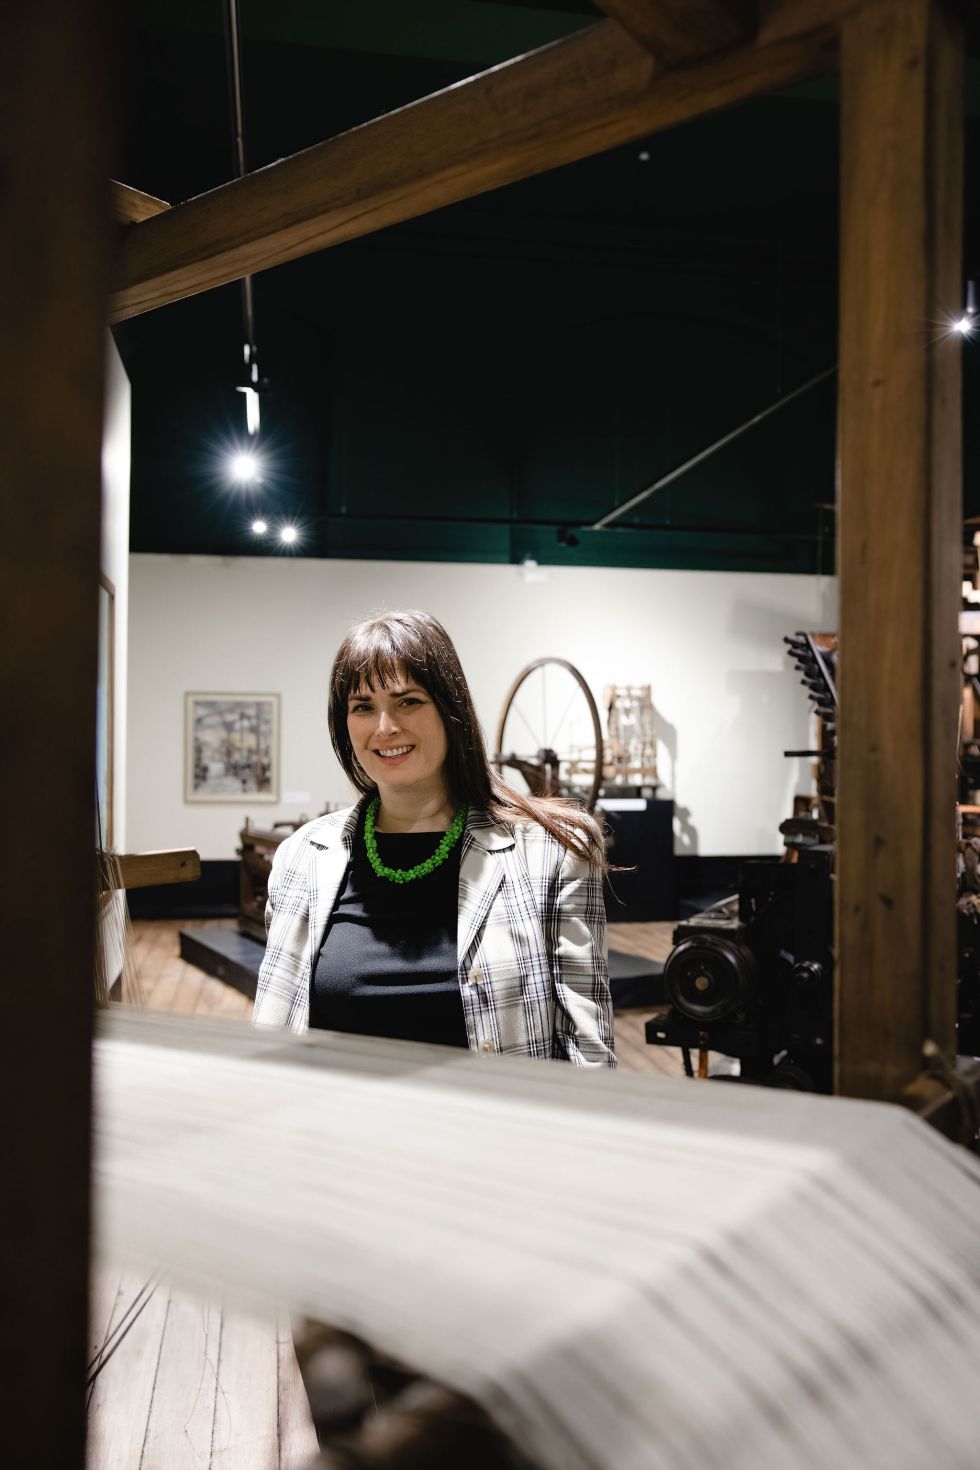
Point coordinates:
[(481, 872), (329, 860)]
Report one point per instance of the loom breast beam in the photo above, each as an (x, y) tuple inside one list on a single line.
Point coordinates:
[(623, 1270), (582, 95)]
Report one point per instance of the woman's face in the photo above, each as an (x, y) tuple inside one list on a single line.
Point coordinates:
[(398, 735)]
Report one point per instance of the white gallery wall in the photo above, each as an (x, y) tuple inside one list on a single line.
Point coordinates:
[(710, 643), (114, 565)]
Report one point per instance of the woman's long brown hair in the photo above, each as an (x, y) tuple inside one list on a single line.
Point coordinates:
[(374, 653)]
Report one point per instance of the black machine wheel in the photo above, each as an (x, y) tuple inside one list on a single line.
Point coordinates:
[(790, 1075)]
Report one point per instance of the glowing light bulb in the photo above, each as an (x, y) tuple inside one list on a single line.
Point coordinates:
[(966, 325), (288, 534), (245, 468), (260, 527)]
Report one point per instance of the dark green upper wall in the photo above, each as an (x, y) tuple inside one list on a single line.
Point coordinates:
[(468, 384), (477, 32)]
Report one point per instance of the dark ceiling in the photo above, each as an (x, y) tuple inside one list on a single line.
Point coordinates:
[(483, 383)]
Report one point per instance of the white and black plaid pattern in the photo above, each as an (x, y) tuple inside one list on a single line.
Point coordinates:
[(531, 937)]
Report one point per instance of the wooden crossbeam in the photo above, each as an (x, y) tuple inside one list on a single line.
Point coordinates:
[(131, 205), (675, 31), (168, 865), (899, 546), (778, 20), (578, 97)]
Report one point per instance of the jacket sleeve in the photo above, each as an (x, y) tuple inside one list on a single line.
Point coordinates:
[(584, 1016), (282, 993)]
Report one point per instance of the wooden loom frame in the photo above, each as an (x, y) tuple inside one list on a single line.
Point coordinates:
[(652, 64)]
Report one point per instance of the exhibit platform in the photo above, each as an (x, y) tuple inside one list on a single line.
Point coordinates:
[(235, 959)]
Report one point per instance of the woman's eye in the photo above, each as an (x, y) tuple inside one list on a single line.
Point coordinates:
[(411, 700), (360, 709)]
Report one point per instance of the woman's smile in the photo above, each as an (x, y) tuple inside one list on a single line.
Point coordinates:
[(394, 753)]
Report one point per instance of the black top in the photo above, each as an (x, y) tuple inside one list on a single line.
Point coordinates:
[(387, 965)]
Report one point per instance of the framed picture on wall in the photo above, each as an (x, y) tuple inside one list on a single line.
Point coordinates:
[(231, 747)]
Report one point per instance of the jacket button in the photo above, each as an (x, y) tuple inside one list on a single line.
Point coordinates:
[(486, 1045), (475, 975)]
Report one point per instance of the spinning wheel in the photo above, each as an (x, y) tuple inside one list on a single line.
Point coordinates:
[(549, 734)]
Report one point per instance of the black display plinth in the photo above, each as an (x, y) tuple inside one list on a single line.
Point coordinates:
[(224, 953), (235, 959), (642, 829)]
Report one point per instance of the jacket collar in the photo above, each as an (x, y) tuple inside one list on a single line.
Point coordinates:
[(340, 828), (486, 834)]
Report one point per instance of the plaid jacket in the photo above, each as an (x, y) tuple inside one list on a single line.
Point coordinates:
[(531, 937)]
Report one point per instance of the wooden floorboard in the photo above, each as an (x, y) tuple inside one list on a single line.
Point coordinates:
[(646, 941), (192, 1384), (173, 985)]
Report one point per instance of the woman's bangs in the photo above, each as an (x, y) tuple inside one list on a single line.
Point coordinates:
[(377, 658)]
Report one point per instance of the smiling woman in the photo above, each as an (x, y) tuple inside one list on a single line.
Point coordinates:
[(443, 906)]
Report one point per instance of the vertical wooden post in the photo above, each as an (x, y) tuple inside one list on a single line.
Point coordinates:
[(54, 254), (899, 530)]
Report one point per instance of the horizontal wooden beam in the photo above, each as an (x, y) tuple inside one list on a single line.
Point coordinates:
[(172, 865), (131, 205), (593, 91), (675, 31)]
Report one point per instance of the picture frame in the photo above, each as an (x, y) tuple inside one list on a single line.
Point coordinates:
[(231, 747)]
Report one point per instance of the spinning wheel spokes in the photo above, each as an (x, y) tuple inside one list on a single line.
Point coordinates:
[(544, 755)]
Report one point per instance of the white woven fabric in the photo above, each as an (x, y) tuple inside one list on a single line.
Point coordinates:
[(629, 1272)]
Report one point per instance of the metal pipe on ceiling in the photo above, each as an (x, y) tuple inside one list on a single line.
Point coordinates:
[(620, 510), (233, 42)]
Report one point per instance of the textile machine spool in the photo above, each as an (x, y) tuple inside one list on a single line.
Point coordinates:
[(545, 1240)]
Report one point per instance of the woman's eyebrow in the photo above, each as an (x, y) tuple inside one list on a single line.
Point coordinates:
[(395, 694)]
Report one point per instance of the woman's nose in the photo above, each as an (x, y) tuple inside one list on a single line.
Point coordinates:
[(387, 724)]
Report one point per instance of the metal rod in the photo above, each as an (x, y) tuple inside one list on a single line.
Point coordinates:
[(675, 474), (233, 38), (656, 528)]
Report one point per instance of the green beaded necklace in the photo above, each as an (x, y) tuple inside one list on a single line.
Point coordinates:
[(421, 870)]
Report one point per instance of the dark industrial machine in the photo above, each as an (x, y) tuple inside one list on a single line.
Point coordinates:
[(752, 978)]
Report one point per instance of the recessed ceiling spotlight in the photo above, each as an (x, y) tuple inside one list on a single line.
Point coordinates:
[(288, 534), (644, 155), (260, 527), (245, 468)]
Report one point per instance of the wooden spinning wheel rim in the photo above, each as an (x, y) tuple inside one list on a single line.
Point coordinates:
[(591, 793)]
